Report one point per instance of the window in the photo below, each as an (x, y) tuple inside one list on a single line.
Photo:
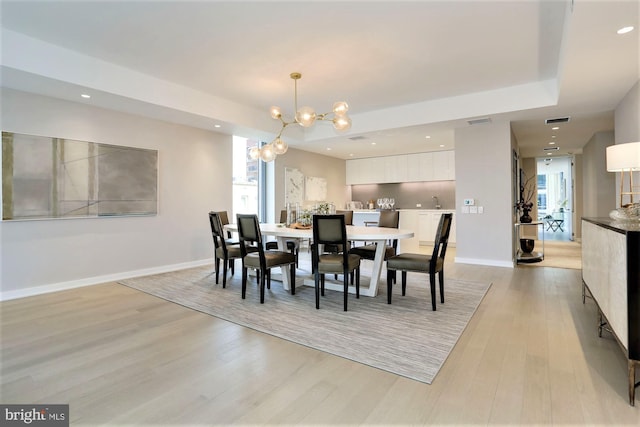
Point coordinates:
[(248, 179), (542, 182)]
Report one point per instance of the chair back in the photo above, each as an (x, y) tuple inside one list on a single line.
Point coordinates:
[(224, 220), (389, 219), (442, 237), (329, 230), (348, 216), (217, 231), (249, 233)]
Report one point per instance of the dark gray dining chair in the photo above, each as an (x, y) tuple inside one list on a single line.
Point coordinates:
[(423, 263), (223, 251), (331, 230), (261, 260)]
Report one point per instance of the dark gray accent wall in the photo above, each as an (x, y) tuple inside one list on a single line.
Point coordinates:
[(408, 194)]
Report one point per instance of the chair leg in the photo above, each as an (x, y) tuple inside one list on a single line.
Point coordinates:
[(441, 279), (217, 269), (263, 279), (224, 275), (358, 282), (293, 278), (404, 283), (316, 277), (322, 284), (244, 282), (345, 281), (232, 264), (432, 282), (389, 285), (268, 274)]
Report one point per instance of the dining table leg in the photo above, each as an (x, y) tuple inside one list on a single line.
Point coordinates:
[(378, 259), (284, 270)]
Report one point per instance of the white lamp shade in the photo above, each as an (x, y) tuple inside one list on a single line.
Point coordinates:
[(623, 157)]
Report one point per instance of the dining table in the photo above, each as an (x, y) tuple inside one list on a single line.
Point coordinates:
[(378, 235)]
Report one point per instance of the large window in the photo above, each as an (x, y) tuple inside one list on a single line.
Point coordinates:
[(248, 180)]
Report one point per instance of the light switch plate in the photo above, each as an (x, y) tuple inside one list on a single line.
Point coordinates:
[(473, 209), (469, 202)]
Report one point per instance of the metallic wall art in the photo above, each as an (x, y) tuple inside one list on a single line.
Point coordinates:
[(44, 177)]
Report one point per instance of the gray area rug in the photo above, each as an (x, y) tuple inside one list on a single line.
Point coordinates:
[(406, 338)]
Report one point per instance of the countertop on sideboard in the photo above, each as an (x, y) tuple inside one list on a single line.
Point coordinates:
[(622, 227)]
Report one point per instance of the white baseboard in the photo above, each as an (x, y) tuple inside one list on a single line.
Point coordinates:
[(487, 262), (96, 280)]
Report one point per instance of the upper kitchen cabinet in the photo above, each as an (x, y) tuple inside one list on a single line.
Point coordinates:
[(433, 166)]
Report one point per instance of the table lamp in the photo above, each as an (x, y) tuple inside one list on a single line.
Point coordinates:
[(624, 158)]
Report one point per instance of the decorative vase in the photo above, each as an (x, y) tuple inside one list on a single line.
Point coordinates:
[(527, 245), (525, 218)]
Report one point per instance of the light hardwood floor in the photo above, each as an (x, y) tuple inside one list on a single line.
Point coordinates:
[(530, 355)]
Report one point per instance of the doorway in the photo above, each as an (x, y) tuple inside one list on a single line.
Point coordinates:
[(555, 197)]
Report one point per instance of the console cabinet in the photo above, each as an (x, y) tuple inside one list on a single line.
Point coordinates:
[(611, 275)]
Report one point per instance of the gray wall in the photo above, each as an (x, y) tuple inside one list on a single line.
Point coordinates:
[(627, 126), (195, 175), (311, 164), (483, 172), (599, 195)]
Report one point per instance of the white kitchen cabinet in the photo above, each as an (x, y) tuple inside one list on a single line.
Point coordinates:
[(443, 165), (428, 225), (433, 166), (395, 168)]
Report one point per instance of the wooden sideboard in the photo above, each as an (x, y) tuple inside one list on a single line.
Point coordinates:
[(611, 274)]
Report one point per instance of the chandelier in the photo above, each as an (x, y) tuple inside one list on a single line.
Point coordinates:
[(305, 117)]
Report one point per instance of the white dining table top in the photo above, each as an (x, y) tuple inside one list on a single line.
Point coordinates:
[(354, 232)]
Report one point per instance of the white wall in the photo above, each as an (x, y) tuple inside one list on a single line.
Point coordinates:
[(483, 172), (599, 196), (195, 176)]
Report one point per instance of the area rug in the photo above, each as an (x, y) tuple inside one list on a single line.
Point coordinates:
[(406, 338)]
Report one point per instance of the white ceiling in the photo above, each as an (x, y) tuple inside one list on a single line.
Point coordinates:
[(407, 69)]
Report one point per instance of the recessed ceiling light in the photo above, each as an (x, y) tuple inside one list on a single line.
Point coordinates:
[(84, 95), (350, 154), (216, 126), (553, 136), (555, 127), (373, 143), (428, 137), (625, 30), (552, 143), (441, 145), (328, 148)]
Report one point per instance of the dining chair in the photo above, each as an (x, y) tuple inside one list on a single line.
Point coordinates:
[(261, 260), (222, 250), (331, 230), (224, 219), (388, 219), (292, 245), (423, 263), (348, 220)]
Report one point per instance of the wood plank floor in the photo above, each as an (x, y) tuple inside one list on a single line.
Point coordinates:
[(530, 355)]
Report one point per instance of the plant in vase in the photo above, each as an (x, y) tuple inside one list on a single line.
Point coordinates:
[(304, 217), (527, 194)]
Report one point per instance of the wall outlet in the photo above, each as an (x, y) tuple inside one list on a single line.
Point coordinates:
[(418, 205), (480, 209)]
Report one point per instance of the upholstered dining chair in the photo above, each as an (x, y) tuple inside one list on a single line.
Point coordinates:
[(331, 230), (293, 245), (348, 220), (222, 249), (261, 260), (388, 219), (224, 219), (423, 263)]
